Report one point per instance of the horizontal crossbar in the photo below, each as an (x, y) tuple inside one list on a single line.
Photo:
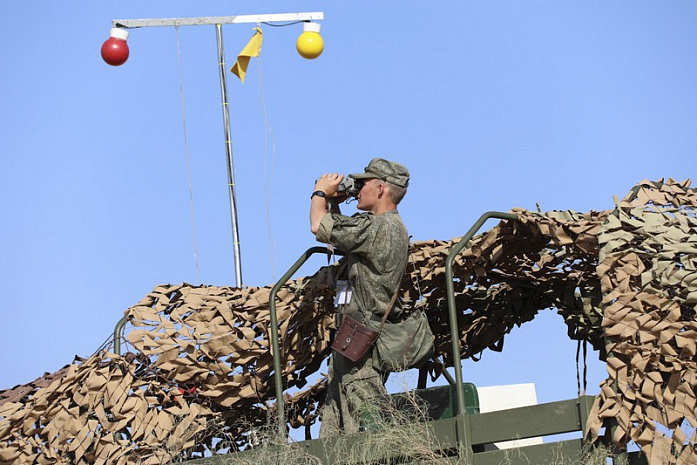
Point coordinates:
[(212, 20)]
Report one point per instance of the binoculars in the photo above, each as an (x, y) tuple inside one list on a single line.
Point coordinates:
[(351, 187)]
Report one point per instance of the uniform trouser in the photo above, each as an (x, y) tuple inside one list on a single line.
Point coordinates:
[(352, 385)]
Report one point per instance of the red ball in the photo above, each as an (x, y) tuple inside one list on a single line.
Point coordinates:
[(115, 51)]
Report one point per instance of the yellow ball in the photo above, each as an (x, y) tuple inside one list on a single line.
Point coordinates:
[(310, 45)]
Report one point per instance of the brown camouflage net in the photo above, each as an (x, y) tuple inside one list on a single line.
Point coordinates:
[(648, 275), (198, 374)]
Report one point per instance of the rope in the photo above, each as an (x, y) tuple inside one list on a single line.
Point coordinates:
[(268, 169), (582, 343), (188, 159)]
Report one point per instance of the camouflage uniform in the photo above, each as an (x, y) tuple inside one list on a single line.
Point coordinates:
[(377, 250)]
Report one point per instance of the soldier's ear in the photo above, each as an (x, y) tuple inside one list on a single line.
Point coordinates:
[(385, 188)]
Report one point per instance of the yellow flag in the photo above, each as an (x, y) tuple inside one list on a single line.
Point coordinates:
[(252, 49)]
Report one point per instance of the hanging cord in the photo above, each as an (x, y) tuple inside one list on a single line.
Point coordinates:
[(188, 158), (439, 367), (416, 273), (268, 169), (585, 367)]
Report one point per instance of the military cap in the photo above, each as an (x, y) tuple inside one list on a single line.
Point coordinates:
[(386, 170)]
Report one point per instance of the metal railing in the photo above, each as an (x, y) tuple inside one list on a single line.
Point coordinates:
[(117, 334), (454, 330), (275, 348)]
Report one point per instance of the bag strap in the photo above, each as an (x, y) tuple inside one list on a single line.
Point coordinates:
[(384, 317), (394, 298), (389, 309)]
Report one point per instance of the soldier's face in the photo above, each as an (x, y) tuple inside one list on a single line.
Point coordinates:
[(369, 194)]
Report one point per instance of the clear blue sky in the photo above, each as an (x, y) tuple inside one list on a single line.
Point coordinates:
[(491, 105)]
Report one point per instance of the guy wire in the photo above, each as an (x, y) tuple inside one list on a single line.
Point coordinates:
[(188, 158), (268, 170)]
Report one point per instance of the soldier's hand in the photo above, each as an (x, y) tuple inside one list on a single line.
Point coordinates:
[(329, 183)]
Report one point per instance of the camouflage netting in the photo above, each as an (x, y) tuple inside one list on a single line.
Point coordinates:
[(648, 275), (198, 374)]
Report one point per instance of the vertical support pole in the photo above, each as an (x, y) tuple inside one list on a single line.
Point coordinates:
[(465, 447), (228, 152)]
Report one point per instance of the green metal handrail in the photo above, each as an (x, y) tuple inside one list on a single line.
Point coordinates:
[(274, 332), (452, 310), (117, 334)]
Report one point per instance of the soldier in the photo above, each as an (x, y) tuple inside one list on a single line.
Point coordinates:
[(376, 244)]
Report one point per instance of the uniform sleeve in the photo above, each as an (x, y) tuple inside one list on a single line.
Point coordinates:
[(348, 233), (325, 228)]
